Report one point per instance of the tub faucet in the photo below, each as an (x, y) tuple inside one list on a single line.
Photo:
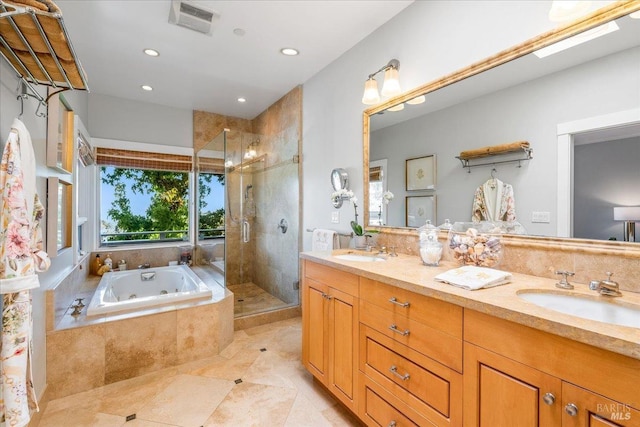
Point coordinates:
[(145, 265), (606, 287)]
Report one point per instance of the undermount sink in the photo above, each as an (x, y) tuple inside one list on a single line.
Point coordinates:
[(356, 257), (593, 308)]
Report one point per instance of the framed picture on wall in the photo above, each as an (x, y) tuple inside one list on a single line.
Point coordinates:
[(421, 173), (419, 209)]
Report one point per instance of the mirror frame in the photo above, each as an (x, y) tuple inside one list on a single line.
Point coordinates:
[(594, 19)]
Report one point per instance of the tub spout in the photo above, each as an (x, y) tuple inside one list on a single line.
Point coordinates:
[(145, 265)]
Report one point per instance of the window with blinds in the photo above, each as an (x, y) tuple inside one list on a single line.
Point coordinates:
[(144, 160)]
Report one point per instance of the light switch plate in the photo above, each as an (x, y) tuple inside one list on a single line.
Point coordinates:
[(335, 217), (541, 217)]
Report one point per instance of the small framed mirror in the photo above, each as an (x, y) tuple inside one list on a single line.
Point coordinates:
[(339, 179)]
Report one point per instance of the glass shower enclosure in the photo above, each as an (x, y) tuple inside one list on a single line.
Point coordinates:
[(261, 217)]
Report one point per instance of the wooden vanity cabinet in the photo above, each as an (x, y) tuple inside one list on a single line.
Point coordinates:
[(396, 357), (410, 357), (330, 329), (502, 392), (518, 376)]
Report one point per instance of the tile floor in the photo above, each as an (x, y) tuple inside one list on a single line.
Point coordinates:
[(249, 298), (275, 390)]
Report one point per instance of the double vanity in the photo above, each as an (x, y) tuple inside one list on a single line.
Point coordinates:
[(398, 348)]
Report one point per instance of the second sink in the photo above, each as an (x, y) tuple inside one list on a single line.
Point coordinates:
[(586, 307)]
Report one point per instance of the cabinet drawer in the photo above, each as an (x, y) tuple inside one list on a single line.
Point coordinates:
[(379, 408), (341, 280), (432, 390), (440, 346), (436, 314)]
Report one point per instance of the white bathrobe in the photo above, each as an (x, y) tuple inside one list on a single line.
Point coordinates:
[(21, 256), (494, 201)]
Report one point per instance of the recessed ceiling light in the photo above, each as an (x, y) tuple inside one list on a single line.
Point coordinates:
[(289, 51), (239, 32), (151, 52), (147, 87), (242, 99)]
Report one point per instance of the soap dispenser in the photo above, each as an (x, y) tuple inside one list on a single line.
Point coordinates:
[(430, 247), (108, 262)]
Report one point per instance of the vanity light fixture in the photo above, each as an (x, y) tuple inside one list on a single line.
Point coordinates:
[(390, 87), (147, 88), (578, 39), (566, 10), (635, 15), (398, 107), (630, 215), (152, 52)]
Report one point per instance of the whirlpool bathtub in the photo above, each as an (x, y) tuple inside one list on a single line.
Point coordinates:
[(138, 289)]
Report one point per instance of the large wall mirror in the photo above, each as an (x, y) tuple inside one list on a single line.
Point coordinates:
[(579, 109)]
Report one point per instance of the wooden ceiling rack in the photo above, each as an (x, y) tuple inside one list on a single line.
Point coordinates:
[(467, 158), (36, 45)]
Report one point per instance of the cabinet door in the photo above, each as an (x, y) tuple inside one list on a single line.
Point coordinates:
[(343, 341), (584, 408), (315, 325), (502, 393)]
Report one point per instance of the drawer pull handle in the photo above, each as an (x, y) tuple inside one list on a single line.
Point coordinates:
[(394, 370), (395, 301), (395, 329), (392, 424)]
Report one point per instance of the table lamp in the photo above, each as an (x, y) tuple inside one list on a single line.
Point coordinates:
[(630, 215)]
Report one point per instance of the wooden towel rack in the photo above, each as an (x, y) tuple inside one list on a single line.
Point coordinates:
[(468, 157), (37, 46)]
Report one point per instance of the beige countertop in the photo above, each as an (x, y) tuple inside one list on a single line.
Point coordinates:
[(408, 272)]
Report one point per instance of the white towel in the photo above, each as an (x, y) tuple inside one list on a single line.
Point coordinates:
[(324, 240), (472, 278)]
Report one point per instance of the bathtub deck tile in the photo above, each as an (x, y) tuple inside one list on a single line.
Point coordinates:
[(196, 338), (75, 360), (140, 345)]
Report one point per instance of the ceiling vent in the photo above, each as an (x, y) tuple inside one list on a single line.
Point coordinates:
[(190, 15)]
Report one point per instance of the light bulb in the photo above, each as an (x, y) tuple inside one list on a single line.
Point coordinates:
[(391, 85), (371, 95)]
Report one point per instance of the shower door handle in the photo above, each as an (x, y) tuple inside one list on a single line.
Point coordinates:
[(246, 230)]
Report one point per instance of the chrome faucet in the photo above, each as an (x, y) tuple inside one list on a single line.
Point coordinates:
[(145, 265), (564, 282), (606, 287)]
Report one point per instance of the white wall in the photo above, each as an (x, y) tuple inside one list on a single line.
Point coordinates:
[(530, 112), (431, 39), (122, 119), (62, 264)]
